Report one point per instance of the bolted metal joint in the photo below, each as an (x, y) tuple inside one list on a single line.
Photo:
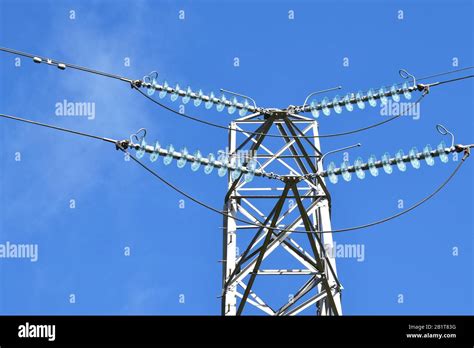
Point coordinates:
[(136, 83), (423, 88), (122, 144), (467, 152), (279, 114), (291, 109)]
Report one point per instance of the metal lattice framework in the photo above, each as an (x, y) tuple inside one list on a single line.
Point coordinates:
[(309, 209)]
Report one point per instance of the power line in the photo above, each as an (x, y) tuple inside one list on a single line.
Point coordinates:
[(133, 83), (62, 65), (446, 73), (161, 152), (320, 201), (120, 146), (67, 130), (205, 205), (55, 62), (452, 80)]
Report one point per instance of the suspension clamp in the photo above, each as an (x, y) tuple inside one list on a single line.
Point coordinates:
[(463, 148), (423, 88), (122, 144), (136, 83), (467, 152)]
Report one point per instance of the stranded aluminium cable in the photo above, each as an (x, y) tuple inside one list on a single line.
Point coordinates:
[(120, 145)]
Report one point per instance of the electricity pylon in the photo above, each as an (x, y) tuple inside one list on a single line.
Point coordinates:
[(277, 224), (299, 203)]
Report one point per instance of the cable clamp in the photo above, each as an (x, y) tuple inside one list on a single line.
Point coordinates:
[(463, 148), (136, 84), (467, 152), (122, 144), (423, 88)]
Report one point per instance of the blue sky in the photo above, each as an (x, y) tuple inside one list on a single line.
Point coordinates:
[(175, 251)]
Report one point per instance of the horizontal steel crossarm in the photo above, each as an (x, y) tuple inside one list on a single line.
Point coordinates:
[(250, 118), (274, 196), (287, 272), (297, 117), (271, 188), (287, 156), (277, 121)]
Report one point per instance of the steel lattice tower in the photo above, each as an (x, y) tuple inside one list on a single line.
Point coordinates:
[(292, 203), (292, 214)]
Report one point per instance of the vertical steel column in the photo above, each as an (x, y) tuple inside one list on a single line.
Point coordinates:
[(230, 240), (323, 216)]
